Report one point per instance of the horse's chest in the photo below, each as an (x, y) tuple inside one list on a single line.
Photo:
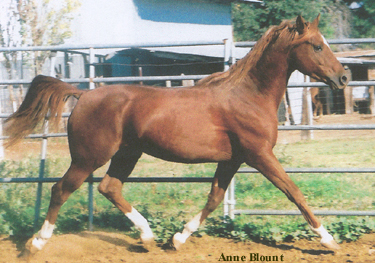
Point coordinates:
[(253, 130)]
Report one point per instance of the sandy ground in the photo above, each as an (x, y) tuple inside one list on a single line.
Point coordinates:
[(114, 247)]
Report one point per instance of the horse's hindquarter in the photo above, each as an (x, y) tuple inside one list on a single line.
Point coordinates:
[(95, 127), (181, 125)]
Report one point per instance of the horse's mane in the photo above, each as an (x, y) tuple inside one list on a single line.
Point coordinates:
[(286, 31)]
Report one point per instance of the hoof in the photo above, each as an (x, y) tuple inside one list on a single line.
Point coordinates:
[(149, 244), (331, 244), (29, 251), (25, 255), (168, 247), (177, 241)]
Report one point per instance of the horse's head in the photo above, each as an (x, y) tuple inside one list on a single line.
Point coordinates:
[(312, 55)]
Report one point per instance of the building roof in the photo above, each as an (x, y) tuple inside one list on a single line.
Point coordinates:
[(356, 57)]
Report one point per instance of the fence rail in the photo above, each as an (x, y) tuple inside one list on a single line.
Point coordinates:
[(297, 212), (229, 202), (280, 128), (182, 77)]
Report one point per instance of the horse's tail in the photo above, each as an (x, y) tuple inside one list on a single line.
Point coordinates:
[(45, 98)]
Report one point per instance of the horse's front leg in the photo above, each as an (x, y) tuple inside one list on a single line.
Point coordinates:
[(266, 163), (223, 175)]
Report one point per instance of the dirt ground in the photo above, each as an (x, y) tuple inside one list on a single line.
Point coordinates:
[(114, 247)]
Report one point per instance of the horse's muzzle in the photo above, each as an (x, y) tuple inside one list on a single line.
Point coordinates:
[(343, 81), (339, 82)]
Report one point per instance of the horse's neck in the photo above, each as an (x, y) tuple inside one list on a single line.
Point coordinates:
[(270, 76)]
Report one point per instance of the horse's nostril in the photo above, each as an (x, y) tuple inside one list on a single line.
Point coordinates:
[(343, 80)]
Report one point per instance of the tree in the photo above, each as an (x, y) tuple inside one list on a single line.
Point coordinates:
[(43, 25), (250, 22), (38, 23), (363, 13), (9, 36)]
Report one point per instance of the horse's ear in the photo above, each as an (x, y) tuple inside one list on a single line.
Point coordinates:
[(315, 23), (301, 24)]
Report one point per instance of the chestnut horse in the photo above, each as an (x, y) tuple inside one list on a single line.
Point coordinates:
[(317, 102), (229, 118)]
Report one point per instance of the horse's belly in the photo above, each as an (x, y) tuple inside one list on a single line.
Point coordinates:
[(190, 149)]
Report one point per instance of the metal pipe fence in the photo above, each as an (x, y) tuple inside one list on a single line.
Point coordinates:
[(229, 201)]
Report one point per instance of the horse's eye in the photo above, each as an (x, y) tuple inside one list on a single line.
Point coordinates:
[(318, 48)]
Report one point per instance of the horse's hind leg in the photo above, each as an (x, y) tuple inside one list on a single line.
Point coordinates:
[(122, 164), (71, 181), (223, 175)]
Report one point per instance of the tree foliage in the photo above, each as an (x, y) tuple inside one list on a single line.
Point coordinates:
[(37, 23), (338, 18), (43, 24), (251, 21), (363, 18)]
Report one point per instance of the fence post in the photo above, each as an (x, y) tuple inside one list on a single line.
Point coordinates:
[(307, 112), (43, 154), (307, 115), (232, 200), (229, 200), (90, 181), (227, 53), (42, 164), (372, 100), (226, 204), (91, 68), (91, 201), (2, 153)]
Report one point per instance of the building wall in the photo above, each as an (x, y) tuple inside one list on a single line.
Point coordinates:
[(140, 21)]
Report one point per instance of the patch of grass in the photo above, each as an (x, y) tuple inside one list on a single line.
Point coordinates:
[(356, 152), (270, 230)]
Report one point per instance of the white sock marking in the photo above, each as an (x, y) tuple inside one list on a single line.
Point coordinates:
[(43, 235), (323, 233), (140, 223), (189, 229)]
